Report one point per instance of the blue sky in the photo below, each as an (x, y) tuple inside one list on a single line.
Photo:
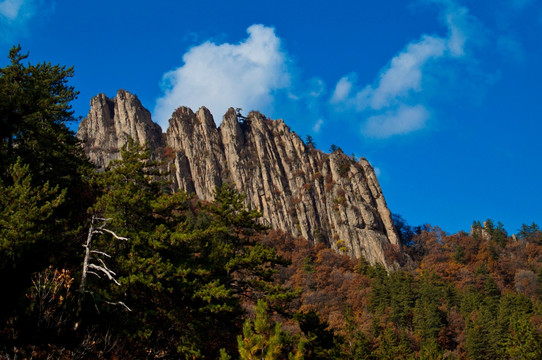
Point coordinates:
[(443, 97)]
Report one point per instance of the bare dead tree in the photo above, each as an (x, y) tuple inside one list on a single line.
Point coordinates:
[(94, 263)]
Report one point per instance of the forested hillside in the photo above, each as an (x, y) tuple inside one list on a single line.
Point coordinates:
[(115, 265)]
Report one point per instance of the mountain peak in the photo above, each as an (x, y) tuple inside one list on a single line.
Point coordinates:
[(111, 122)]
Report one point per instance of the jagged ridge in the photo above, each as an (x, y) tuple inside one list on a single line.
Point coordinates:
[(322, 197)]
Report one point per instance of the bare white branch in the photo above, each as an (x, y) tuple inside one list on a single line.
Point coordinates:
[(105, 266), (106, 271), (102, 269), (119, 303), (101, 253), (115, 235), (94, 273)]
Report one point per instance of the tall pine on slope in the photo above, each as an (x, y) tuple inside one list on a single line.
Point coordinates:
[(260, 339), (186, 266), (34, 111), (34, 140), (26, 230)]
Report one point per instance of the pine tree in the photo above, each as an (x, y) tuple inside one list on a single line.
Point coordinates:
[(530, 233), (186, 265), (34, 137), (249, 265), (157, 276), (26, 232), (321, 342), (260, 340), (480, 342), (310, 141), (35, 110), (523, 342)]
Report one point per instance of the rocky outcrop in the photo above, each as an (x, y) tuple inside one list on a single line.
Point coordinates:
[(323, 197), (111, 122)]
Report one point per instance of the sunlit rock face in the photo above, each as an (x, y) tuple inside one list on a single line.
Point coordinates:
[(323, 197), (111, 122)]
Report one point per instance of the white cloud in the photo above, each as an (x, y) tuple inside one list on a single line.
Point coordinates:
[(318, 125), (15, 16), (10, 8), (405, 71), (456, 19), (401, 121), (222, 75), (342, 90), (393, 105)]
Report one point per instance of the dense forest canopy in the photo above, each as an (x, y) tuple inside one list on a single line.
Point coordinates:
[(115, 265)]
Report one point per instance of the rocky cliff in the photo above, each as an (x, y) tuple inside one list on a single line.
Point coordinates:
[(111, 122), (322, 197)]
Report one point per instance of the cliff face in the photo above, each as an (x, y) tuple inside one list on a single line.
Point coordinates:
[(322, 197), (111, 122)]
